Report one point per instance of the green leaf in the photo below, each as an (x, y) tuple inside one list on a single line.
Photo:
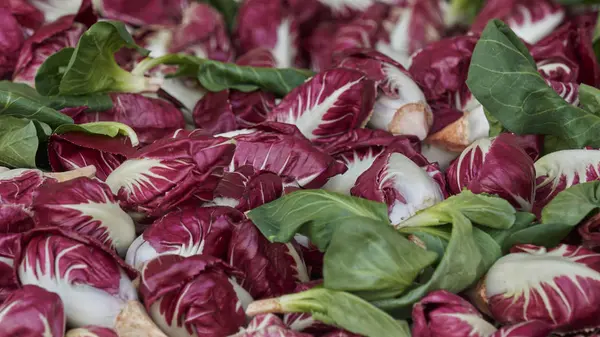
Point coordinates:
[(437, 241), (50, 73), (314, 213), (466, 9), (370, 259), (503, 77), (547, 235), (217, 76), (98, 102), (496, 127), (523, 221), (482, 209), (490, 250), (93, 69), (572, 205), (589, 99), (460, 267), (15, 103), (18, 142), (337, 308), (227, 8), (110, 129)]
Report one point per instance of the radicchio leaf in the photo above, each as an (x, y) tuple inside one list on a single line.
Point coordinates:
[(186, 232), (442, 313), (15, 218), (229, 110), (202, 33), (11, 41), (74, 150), (166, 173), (401, 107), (328, 104), (18, 186), (410, 27), (358, 149), (304, 321), (405, 184), (150, 118), (49, 39), (81, 271), (589, 231), (32, 311), (9, 244), (153, 12), (193, 296), (268, 325), (270, 269), (495, 166), (560, 170), (558, 286), (267, 24), (281, 149), (533, 328), (530, 20), (29, 17), (87, 207)]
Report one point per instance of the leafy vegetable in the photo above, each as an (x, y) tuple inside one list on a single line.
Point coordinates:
[(589, 99), (51, 72), (93, 68), (385, 268), (227, 8), (314, 213), (18, 142), (500, 61), (337, 308), (572, 205), (217, 76), (111, 129), (18, 104)]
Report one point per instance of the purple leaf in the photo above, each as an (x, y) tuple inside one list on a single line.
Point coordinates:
[(268, 325), (87, 207), (495, 166), (532, 328), (328, 104), (32, 311), (153, 12), (186, 232), (193, 296), (15, 218), (11, 41), (19, 185), (270, 269), (91, 331)]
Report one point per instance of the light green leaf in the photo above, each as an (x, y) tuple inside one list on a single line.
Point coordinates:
[(589, 99), (110, 129), (482, 209), (504, 78), (460, 267), (50, 73), (336, 308), (571, 206), (18, 142), (370, 259), (93, 69), (524, 220), (314, 213)]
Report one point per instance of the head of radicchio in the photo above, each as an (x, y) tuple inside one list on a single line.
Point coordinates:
[(15, 218), (268, 24), (442, 313), (73, 150), (94, 284), (9, 246), (530, 20), (168, 172), (560, 170), (11, 41), (32, 311), (401, 107), (270, 269), (328, 104), (281, 149), (405, 184), (152, 12), (186, 232), (495, 166), (150, 118), (193, 296), (88, 207), (267, 325), (230, 109), (358, 149), (409, 27), (558, 286), (589, 232)]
